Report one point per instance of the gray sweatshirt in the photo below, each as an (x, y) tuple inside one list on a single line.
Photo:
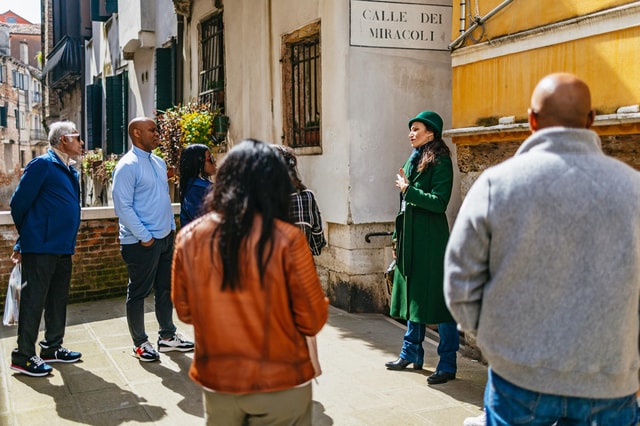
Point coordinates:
[(543, 266)]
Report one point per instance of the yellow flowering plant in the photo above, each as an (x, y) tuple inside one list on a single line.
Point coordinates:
[(183, 125), (197, 126)]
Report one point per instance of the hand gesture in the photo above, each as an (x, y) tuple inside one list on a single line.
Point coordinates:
[(401, 181)]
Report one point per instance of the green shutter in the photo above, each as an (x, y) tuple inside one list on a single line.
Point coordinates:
[(101, 10), (117, 117), (165, 78), (94, 116), (3, 115), (112, 6)]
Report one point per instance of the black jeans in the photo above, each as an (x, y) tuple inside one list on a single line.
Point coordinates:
[(149, 268), (46, 279)]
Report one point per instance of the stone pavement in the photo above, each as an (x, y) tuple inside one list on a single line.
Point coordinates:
[(109, 387)]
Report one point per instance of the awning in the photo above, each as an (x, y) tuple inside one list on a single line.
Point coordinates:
[(54, 59), (64, 60)]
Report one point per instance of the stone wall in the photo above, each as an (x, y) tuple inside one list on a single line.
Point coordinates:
[(473, 159), (351, 269)]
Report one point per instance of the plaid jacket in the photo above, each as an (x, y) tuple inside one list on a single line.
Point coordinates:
[(305, 213)]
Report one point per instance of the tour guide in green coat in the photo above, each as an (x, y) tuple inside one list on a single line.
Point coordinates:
[(421, 233)]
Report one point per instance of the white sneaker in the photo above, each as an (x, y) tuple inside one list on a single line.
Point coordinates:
[(176, 343), (481, 420)]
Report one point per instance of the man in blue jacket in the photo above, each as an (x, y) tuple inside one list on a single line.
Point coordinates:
[(46, 211)]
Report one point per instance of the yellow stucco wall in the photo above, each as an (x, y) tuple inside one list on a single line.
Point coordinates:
[(521, 15), (502, 86)]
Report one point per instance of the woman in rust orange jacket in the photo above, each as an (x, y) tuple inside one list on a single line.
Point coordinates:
[(245, 278)]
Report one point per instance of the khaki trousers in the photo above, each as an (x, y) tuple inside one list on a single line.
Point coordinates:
[(283, 408)]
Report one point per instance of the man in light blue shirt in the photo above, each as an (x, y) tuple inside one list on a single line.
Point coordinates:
[(147, 227)]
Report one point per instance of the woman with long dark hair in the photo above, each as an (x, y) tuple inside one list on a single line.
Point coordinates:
[(245, 278), (421, 234), (303, 210), (197, 165)]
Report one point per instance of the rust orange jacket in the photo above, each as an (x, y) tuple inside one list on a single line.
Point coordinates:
[(249, 340)]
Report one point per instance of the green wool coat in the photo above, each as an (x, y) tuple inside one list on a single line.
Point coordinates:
[(421, 233)]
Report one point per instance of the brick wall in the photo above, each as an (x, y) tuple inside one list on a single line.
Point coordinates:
[(98, 269)]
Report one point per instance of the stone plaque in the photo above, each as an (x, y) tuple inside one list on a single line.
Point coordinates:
[(400, 25)]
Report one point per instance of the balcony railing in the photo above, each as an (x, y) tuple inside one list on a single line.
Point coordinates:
[(38, 135)]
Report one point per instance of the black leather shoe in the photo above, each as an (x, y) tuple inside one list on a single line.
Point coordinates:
[(440, 377), (401, 364)]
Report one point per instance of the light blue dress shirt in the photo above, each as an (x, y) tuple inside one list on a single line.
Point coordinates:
[(141, 197)]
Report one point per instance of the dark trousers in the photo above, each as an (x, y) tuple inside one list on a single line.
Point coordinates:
[(46, 279), (149, 268)]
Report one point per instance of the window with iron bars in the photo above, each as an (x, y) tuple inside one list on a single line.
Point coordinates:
[(212, 56), (301, 57)]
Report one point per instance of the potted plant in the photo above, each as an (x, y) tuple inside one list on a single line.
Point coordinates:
[(220, 127), (99, 171), (183, 125), (95, 167)]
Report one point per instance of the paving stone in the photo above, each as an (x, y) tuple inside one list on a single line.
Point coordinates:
[(110, 387)]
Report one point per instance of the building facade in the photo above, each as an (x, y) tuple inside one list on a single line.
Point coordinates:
[(502, 50), (338, 81), (21, 131)]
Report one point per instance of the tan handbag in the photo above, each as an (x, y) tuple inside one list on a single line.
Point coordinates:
[(313, 355)]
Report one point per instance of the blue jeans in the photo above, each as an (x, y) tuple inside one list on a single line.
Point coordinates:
[(48, 277), (149, 268), (413, 351), (508, 404)]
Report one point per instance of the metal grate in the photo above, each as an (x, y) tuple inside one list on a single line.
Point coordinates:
[(212, 74), (305, 92)]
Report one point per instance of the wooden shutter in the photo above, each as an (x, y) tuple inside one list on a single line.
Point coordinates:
[(117, 117), (94, 116), (165, 78)]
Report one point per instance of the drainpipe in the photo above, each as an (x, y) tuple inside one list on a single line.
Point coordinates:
[(463, 15), (476, 23)]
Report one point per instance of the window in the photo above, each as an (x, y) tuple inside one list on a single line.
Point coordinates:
[(117, 104), (20, 119), (302, 87), (212, 73), (18, 80), (165, 77), (37, 96), (3, 115), (101, 10), (94, 115)]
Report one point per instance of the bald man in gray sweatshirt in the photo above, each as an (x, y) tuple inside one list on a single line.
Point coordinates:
[(543, 267)]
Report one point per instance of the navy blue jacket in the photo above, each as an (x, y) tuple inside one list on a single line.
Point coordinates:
[(46, 207), (192, 202)]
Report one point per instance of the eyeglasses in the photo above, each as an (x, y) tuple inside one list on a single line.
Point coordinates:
[(73, 135)]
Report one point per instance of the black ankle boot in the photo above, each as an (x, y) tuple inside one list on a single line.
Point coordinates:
[(401, 364)]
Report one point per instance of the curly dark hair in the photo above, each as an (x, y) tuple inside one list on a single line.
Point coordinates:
[(191, 165), (432, 150), (252, 179), (292, 163)]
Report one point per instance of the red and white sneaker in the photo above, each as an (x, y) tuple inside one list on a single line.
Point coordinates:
[(145, 352)]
